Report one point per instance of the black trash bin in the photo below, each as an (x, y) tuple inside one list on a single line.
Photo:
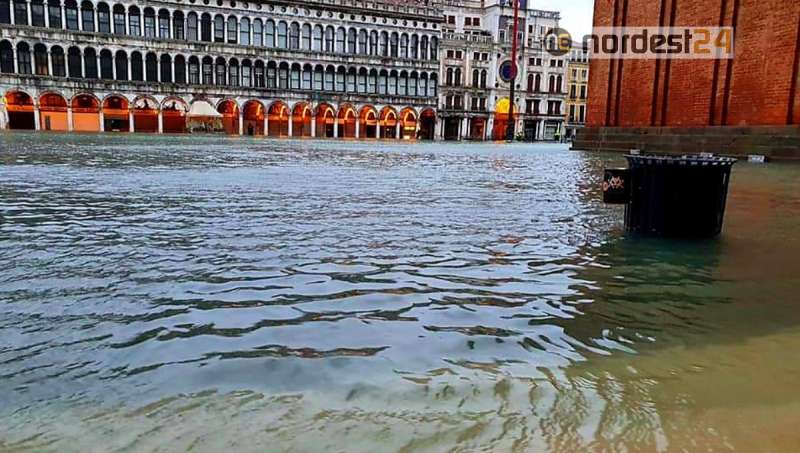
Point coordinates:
[(677, 196)]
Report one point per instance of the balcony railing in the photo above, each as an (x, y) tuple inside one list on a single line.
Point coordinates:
[(467, 38)]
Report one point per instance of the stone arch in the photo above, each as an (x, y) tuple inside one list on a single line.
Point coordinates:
[(301, 120), (325, 119), (19, 106), (368, 118), (408, 124), (253, 113), (53, 112), (346, 120), (427, 124), (174, 112), (145, 111), (278, 119), (229, 110), (116, 113), (388, 122), (85, 113)]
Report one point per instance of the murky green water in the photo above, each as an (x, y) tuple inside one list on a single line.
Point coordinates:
[(167, 294)]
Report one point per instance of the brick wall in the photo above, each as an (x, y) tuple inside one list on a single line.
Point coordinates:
[(759, 87)]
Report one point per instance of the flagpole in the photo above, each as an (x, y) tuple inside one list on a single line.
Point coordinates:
[(512, 104)]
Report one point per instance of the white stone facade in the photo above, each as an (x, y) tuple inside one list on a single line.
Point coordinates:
[(357, 68), (476, 41)]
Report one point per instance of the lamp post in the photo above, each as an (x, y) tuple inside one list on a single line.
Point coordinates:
[(511, 112)]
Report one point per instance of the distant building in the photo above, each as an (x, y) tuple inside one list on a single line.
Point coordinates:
[(749, 104), (577, 89), (474, 96), (321, 68)]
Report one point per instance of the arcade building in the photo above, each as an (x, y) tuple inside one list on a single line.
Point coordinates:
[(361, 69)]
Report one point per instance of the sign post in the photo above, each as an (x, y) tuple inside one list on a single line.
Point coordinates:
[(512, 109)]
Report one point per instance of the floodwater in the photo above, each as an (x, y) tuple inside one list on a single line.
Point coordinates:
[(205, 293)]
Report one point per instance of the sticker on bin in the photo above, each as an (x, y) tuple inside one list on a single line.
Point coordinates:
[(615, 186)]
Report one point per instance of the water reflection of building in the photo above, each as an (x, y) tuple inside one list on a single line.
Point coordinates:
[(337, 68), (474, 97)]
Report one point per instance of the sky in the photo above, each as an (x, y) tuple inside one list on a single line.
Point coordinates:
[(576, 15)]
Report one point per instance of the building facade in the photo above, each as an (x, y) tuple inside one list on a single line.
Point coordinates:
[(746, 105), (577, 89), (474, 101), (321, 68)]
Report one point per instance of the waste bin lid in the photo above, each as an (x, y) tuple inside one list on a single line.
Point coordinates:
[(686, 159)]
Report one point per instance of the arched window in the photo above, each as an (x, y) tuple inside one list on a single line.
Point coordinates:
[(413, 85), (106, 65), (24, 65), (329, 38), (21, 12), (307, 74), (220, 71), (40, 59), (103, 18), (258, 33), (404, 46), (282, 35), (330, 78), (402, 84), (178, 31), (294, 77), (121, 65), (272, 74), (383, 81), (194, 71), (362, 81), (352, 39), (137, 66), (538, 83), (318, 77), (244, 31), (5, 12), (149, 23), (434, 48), (165, 66), (119, 20), (294, 36), (205, 27), (89, 64), (283, 76), (392, 85), (340, 79), (423, 85), (305, 37), (317, 38), (163, 24), (269, 34), (75, 62), (414, 47), (484, 74), (57, 58), (351, 80), (192, 31), (448, 81), (475, 78), (363, 47), (258, 74), (54, 13), (559, 83), (393, 45), (552, 85), (340, 40), (372, 81), (530, 82), (384, 45), (180, 69), (151, 67), (247, 73), (71, 15), (219, 28), (233, 30), (457, 77), (373, 42), (432, 86), (423, 48), (208, 71), (233, 72), (87, 16)]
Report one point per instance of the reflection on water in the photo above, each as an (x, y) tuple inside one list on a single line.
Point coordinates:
[(211, 293)]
